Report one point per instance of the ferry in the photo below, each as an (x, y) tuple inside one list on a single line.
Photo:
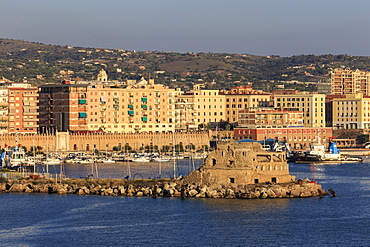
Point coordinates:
[(318, 153)]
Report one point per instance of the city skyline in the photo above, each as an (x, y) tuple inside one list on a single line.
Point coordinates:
[(283, 28)]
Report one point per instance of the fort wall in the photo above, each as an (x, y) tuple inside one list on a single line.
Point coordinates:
[(65, 142)]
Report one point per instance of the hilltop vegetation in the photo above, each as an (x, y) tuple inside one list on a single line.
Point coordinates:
[(21, 60)]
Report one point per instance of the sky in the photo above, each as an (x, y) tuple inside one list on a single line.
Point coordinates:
[(257, 27)]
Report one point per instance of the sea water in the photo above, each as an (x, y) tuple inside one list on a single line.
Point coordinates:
[(73, 220)]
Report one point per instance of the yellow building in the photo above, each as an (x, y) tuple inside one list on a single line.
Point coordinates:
[(240, 98), (312, 106), (112, 107), (139, 107), (185, 116), (351, 112), (267, 117), (209, 105)]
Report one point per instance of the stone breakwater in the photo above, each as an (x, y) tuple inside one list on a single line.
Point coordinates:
[(161, 188)]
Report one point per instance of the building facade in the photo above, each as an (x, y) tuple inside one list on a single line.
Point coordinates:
[(345, 81), (209, 105), (296, 137), (130, 107), (23, 109), (186, 114), (3, 110), (267, 117), (139, 107), (239, 98), (312, 105), (63, 107), (351, 112)]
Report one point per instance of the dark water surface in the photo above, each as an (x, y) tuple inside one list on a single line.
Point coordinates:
[(71, 220)]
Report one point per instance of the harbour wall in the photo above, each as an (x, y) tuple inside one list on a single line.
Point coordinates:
[(66, 142)]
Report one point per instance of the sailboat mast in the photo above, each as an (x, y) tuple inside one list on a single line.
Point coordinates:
[(174, 157)]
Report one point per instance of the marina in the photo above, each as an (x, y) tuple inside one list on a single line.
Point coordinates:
[(130, 221)]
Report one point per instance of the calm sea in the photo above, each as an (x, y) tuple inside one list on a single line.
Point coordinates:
[(71, 220)]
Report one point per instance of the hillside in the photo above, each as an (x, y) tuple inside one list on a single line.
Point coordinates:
[(39, 63)]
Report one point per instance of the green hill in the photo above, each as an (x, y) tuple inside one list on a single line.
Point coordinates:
[(22, 60)]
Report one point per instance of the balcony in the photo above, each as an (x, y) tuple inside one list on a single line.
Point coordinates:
[(28, 94), (25, 125), (82, 101), (82, 96), (31, 120), (82, 122)]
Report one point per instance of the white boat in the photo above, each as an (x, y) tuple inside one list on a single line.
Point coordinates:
[(318, 153), (161, 159), (13, 157), (81, 161), (52, 161), (141, 159), (109, 161)]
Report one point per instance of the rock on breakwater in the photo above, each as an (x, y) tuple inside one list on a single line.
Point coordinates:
[(162, 188)]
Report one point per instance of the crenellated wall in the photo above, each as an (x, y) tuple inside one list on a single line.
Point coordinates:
[(64, 141)]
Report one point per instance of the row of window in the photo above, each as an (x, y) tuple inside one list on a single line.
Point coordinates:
[(132, 126), (299, 99), (245, 100)]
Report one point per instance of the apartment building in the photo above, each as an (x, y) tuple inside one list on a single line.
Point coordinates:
[(209, 104), (23, 109), (239, 98), (3, 110), (345, 81), (312, 106), (351, 112), (267, 117), (139, 107), (63, 107), (185, 116), (129, 107)]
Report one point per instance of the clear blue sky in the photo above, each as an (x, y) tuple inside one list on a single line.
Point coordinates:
[(259, 27)]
